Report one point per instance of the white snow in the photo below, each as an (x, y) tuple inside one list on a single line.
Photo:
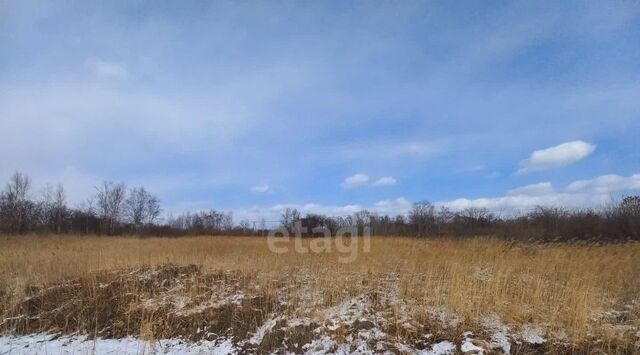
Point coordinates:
[(468, 346), (348, 311), (500, 336), (320, 346), (532, 334), (46, 344), (263, 330), (441, 348)]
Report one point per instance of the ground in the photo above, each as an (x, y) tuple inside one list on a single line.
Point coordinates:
[(234, 294)]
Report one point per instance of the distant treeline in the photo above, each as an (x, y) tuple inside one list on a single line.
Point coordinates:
[(116, 210), (616, 223)]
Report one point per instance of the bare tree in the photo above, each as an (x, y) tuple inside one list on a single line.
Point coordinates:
[(153, 209), (476, 218), (444, 217), (54, 208), (18, 187), (110, 199), (87, 212), (141, 207), (629, 211), (289, 218), (423, 216), (630, 205), (16, 209), (226, 222), (363, 219)]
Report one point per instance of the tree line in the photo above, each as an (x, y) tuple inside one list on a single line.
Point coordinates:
[(115, 209), (614, 223)]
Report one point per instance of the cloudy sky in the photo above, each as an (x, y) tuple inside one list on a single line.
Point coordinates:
[(327, 106)]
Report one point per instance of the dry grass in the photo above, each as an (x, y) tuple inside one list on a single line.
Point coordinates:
[(583, 296)]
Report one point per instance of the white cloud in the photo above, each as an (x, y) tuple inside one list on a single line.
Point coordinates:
[(594, 192), (361, 179), (272, 214), (557, 156), (542, 188), (606, 184), (264, 188), (107, 69), (356, 180), (392, 207), (385, 181)]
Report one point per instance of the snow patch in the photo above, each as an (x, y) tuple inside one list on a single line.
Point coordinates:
[(532, 334), (500, 336), (468, 347), (323, 345), (441, 348), (264, 330), (46, 344)]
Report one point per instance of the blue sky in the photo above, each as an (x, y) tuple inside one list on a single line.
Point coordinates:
[(326, 106)]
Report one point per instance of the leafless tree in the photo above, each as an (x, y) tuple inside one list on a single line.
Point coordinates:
[(87, 212), (110, 199), (423, 216), (16, 208), (289, 218), (141, 207), (475, 217), (18, 187), (54, 207), (630, 205), (629, 212), (363, 219), (226, 222)]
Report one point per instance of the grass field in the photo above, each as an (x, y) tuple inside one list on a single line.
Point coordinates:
[(403, 296)]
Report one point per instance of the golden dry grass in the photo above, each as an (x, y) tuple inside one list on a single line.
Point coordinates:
[(590, 293)]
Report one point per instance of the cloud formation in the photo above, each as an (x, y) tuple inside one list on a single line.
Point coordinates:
[(385, 181), (557, 156), (596, 192), (542, 188), (356, 180), (272, 214), (361, 180), (606, 184)]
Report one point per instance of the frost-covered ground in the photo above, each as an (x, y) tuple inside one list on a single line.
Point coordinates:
[(47, 344), (225, 313), (353, 327)]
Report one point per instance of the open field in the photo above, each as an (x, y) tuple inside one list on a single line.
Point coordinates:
[(403, 296)]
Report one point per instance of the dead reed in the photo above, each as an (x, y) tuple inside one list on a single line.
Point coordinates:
[(583, 296)]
